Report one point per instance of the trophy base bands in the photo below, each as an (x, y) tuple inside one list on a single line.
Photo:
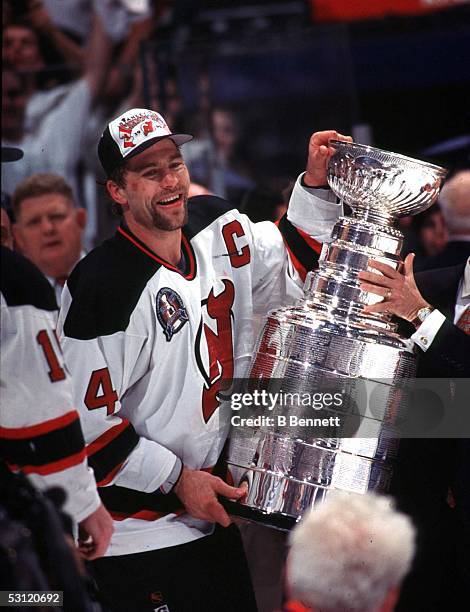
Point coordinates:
[(23, 599)]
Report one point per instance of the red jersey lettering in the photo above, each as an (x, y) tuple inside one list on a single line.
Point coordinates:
[(219, 346), (237, 258)]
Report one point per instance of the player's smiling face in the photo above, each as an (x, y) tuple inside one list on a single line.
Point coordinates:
[(156, 188)]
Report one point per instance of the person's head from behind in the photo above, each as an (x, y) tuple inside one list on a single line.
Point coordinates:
[(147, 177), (454, 200), (350, 554), (48, 227)]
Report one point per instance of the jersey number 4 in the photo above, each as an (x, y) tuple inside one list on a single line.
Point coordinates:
[(100, 392)]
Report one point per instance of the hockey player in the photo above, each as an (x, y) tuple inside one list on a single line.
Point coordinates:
[(40, 432), (151, 322)]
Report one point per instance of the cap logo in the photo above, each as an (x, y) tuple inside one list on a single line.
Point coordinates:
[(132, 130)]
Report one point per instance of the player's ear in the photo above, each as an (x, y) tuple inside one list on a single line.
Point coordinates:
[(116, 192)]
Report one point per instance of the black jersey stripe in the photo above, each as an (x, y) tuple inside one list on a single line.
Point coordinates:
[(203, 211), (105, 287), (305, 249), (105, 460), (124, 503), (128, 502), (22, 284), (45, 448)]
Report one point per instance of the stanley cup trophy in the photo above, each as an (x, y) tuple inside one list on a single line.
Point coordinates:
[(326, 338)]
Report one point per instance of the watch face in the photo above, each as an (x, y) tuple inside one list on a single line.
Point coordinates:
[(423, 313)]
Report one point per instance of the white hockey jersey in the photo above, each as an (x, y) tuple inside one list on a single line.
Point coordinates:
[(148, 344), (40, 432)]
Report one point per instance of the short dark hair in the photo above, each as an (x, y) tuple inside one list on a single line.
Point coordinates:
[(38, 185), (118, 176)]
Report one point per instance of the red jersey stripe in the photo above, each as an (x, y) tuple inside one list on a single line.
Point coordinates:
[(52, 468), (106, 438), (21, 433), (143, 515), (109, 477), (162, 261)]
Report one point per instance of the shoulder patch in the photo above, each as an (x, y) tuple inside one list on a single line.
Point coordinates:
[(171, 312), (105, 287)]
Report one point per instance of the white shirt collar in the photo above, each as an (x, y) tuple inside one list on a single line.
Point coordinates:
[(466, 280)]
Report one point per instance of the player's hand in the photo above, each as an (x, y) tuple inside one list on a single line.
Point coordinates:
[(319, 154), (94, 533), (400, 293), (198, 491)]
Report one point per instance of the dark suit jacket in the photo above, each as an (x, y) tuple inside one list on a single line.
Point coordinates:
[(449, 353), (425, 468), (455, 252)]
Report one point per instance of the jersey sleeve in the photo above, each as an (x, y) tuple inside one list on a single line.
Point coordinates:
[(313, 211), (40, 432), (104, 369), (285, 252)]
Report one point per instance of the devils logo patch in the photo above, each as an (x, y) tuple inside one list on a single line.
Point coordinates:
[(171, 313)]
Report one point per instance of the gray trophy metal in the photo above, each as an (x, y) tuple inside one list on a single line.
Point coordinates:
[(326, 337)]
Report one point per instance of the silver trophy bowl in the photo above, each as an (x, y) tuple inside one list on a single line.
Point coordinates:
[(325, 341), (382, 185)]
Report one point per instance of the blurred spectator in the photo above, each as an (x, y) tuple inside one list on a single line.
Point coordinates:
[(21, 49), (350, 554), (217, 160), (31, 40), (455, 205), (48, 226), (262, 204), (430, 234), (5, 226), (49, 125)]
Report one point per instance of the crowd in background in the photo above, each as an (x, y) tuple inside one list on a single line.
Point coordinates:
[(70, 65)]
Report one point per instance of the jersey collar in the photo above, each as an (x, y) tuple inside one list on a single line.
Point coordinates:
[(186, 247)]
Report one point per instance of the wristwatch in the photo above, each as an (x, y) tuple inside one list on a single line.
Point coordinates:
[(421, 315)]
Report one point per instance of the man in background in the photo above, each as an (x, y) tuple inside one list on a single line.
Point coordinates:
[(49, 227), (437, 304), (454, 201)]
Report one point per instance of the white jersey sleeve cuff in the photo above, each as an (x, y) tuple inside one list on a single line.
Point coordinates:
[(427, 331), (314, 211), (148, 466)]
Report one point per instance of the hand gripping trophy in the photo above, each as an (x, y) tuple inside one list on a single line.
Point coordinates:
[(327, 339)]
